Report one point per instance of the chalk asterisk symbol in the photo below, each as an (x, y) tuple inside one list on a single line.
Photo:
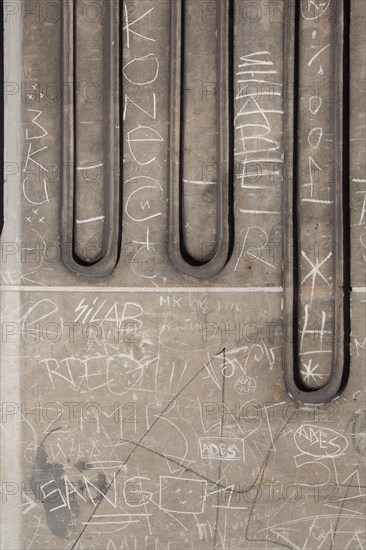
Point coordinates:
[(315, 271), (309, 372)]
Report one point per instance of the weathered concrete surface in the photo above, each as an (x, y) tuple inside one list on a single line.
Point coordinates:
[(148, 409)]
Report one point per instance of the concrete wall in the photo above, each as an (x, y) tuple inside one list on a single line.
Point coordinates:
[(185, 210)]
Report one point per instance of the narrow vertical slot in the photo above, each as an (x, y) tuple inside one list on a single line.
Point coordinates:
[(190, 185), (91, 211), (316, 213)]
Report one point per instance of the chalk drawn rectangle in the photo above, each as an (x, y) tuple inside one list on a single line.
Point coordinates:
[(225, 448), (182, 495)]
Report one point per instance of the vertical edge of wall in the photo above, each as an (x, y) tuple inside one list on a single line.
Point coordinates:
[(11, 434), (2, 118)]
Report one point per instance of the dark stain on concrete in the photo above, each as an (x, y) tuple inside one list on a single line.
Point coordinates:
[(48, 486)]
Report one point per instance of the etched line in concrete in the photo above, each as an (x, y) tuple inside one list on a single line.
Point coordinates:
[(156, 290)]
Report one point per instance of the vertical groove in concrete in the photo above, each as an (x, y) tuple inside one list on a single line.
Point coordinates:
[(178, 248), (317, 284), (358, 142), (89, 258), (91, 71)]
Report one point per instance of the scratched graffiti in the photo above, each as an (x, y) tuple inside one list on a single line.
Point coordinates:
[(149, 411)]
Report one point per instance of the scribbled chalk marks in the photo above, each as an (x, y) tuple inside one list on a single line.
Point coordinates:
[(320, 442), (35, 170), (259, 152), (216, 448), (176, 431), (143, 205), (317, 279), (182, 495)]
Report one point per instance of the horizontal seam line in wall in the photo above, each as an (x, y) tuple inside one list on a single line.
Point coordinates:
[(9, 288)]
